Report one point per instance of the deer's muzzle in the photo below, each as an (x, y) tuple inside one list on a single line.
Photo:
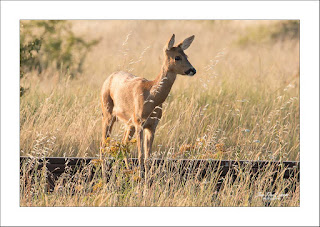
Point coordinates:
[(191, 71)]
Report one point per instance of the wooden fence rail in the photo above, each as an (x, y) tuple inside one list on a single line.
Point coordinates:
[(55, 166)]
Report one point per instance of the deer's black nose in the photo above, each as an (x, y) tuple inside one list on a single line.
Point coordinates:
[(191, 71)]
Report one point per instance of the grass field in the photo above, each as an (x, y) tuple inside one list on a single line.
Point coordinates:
[(243, 103)]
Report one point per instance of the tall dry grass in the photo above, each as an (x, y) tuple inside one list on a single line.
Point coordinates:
[(163, 186), (243, 103), (245, 97)]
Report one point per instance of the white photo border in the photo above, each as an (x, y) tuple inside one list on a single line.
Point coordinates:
[(306, 12)]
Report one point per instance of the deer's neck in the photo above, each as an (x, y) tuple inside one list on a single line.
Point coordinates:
[(162, 85)]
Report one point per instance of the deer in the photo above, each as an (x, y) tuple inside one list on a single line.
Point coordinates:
[(137, 102)]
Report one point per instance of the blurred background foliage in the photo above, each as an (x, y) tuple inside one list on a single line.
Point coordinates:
[(51, 44), (280, 31)]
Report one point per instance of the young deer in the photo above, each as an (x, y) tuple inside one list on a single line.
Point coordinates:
[(138, 102)]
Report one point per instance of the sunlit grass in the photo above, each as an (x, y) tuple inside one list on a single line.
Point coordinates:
[(164, 186), (243, 103)]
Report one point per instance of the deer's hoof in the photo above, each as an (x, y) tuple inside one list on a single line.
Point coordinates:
[(142, 174)]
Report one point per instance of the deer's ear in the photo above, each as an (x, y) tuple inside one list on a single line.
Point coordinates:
[(170, 43), (186, 43)]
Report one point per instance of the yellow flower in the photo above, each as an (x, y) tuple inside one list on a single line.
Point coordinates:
[(107, 141), (218, 155), (133, 140), (136, 178), (96, 162), (186, 147), (97, 186), (183, 148), (113, 149), (220, 147), (128, 172)]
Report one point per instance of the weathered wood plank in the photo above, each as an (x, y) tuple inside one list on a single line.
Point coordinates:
[(185, 168)]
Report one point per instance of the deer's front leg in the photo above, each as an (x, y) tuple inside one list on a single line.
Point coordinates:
[(127, 137), (148, 140), (139, 130)]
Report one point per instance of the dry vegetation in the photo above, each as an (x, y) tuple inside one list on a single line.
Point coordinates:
[(164, 186), (243, 103)]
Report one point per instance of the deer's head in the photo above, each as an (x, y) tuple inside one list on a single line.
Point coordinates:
[(175, 58)]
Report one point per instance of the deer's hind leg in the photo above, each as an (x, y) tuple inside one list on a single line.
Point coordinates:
[(129, 132), (139, 135), (107, 120)]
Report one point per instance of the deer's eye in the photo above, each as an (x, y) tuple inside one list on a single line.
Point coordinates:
[(177, 58)]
